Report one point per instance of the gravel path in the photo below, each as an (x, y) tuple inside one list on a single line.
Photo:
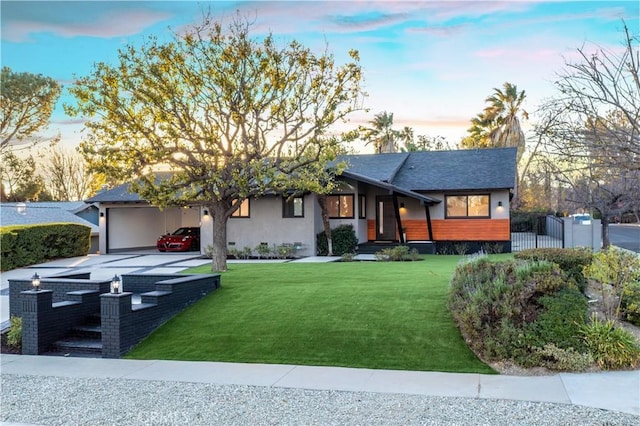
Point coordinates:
[(43, 400)]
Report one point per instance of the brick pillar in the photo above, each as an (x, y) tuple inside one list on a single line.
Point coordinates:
[(115, 311), (36, 313)]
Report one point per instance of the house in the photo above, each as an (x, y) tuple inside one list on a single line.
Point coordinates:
[(434, 198), (53, 212)]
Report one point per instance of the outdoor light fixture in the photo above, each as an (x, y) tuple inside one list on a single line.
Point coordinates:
[(499, 203), (101, 214), (402, 205), (35, 281), (116, 284), (206, 213)]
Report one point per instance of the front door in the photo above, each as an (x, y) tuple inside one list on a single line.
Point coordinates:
[(385, 219)]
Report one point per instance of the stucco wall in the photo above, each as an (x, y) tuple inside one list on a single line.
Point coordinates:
[(266, 224)]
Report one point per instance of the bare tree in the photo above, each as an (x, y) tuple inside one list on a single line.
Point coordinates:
[(599, 103), (67, 177)]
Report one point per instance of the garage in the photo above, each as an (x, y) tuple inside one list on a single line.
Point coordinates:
[(135, 227)]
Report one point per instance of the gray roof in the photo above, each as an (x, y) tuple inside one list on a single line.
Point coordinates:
[(469, 169), (70, 206), (409, 172), (119, 194), (37, 214)]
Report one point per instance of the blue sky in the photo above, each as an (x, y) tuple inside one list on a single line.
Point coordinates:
[(430, 63)]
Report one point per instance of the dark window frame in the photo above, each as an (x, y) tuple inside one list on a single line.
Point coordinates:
[(467, 195), (238, 213), (353, 207), (362, 206), (288, 207)]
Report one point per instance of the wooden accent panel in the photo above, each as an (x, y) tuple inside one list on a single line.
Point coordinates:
[(459, 229), (371, 229)]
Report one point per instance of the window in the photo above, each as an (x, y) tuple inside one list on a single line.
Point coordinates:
[(243, 210), (362, 214), (459, 206), (292, 207), (340, 206)]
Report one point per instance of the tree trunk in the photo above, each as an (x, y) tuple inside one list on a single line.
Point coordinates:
[(605, 232), (326, 223), (219, 244)]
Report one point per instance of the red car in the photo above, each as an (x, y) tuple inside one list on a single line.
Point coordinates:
[(183, 239)]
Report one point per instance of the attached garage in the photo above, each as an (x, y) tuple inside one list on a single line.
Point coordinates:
[(138, 227), (127, 223)]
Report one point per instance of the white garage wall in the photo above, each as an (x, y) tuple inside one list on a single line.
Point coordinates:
[(139, 227)]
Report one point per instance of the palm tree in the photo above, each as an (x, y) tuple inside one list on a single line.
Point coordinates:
[(381, 134), (498, 124), (502, 112)]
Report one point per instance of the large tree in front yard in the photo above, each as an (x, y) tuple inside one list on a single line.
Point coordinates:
[(231, 116)]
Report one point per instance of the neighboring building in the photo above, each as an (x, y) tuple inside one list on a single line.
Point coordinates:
[(441, 197), (31, 213)]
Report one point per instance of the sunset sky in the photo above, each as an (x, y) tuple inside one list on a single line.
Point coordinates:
[(430, 63)]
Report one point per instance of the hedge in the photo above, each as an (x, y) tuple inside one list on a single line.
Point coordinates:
[(24, 245)]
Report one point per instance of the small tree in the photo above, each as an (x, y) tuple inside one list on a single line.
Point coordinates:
[(230, 116)]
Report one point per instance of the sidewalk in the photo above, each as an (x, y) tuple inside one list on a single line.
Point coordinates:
[(615, 391)]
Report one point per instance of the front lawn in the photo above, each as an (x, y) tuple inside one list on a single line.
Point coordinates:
[(386, 315)]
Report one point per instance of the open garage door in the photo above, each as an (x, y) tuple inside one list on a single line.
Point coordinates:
[(135, 228)]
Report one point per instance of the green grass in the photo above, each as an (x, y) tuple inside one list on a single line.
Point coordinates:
[(387, 315)]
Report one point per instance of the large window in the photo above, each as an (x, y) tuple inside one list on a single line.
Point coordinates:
[(292, 207), (243, 210), (340, 206), (461, 206)]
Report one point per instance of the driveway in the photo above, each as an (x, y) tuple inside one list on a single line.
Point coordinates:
[(626, 236)]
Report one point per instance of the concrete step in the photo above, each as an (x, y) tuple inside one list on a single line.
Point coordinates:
[(75, 346), (92, 331)]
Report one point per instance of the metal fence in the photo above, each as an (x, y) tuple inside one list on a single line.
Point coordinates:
[(540, 232)]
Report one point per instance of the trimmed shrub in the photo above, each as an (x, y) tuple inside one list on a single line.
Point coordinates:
[(343, 238), (25, 245), (611, 347), (571, 261)]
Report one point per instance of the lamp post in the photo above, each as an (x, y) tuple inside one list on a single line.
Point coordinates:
[(116, 287), (35, 282)]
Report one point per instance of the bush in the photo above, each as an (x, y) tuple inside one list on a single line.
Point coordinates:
[(571, 261), (496, 305), (631, 303), (560, 320), (393, 254), (343, 238), (611, 347), (555, 358), (14, 337), (25, 245), (614, 270)]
